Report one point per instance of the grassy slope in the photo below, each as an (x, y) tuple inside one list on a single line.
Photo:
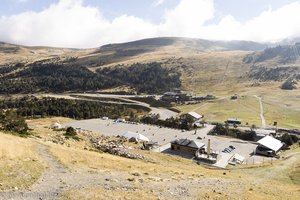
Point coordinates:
[(205, 73), (245, 108), (157, 176), (20, 165)]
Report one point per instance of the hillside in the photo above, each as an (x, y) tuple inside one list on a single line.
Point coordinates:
[(11, 53), (63, 168), (155, 66), (183, 55)]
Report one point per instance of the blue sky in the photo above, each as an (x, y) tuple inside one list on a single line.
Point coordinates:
[(90, 23)]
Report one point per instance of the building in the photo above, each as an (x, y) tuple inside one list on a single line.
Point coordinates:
[(176, 96), (205, 154), (261, 133), (233, 121), (238, 159), (135, 136), (186, 146), (268, 146), (195, 116)]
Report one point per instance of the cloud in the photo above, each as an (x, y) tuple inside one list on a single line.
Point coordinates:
[(158, 2), (187, 18), (22, 1), (70, 23)]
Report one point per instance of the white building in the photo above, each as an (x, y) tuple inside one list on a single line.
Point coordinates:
[(195, 116), (268, 146), (137, 136)]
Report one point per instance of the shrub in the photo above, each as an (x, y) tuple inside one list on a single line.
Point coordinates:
[(11, 121), (70, 132), (289, 84)]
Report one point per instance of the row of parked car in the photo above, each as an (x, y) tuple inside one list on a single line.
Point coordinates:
[(228, 149)]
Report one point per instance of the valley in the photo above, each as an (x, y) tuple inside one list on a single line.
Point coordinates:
[(65, 112)]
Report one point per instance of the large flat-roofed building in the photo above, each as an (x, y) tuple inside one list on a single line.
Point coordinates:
[(268, 146), (186, 146)]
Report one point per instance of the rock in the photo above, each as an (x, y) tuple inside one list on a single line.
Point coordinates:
[(135, 174), (16, 188), (131, 179)]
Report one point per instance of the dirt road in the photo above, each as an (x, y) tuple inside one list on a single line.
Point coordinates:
[(55, 180), (262, 117)]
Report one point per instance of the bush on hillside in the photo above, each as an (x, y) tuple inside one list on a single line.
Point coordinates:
[(11, 121), (289, 84)]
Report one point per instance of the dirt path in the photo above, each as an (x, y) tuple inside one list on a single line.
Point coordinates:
[(55, 180), (262, 117)]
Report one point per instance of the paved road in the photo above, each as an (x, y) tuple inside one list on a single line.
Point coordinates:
[(163, 112), (262, 117)]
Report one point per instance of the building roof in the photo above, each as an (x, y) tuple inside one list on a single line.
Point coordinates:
[(138, 136), (234, 120), (239, 157), (189, 143), (195, 115), (264, 131), (270, 143)]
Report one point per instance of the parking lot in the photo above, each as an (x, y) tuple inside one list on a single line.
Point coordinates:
[(163, 136)]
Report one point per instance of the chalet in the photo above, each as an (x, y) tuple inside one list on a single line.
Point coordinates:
[(186, 146), (176, 96), (268, 146), (195, 116), (233, 121)]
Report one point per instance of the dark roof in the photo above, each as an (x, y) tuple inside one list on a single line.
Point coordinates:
[(233, 120), (188, 143)]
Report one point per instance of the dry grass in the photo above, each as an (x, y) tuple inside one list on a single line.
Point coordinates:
[(165, 171), (245, 108), (104, 194), (160, 165), (19, 164), (48, 121)]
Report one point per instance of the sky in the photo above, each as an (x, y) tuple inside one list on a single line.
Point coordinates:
[(92, 23)]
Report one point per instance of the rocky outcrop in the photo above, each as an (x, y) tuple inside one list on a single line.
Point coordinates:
[(114, 147)]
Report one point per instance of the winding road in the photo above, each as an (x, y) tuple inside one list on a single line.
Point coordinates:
[(164, 113)]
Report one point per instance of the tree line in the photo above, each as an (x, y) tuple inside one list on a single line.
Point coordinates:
[(58, 77), (78, 109)]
